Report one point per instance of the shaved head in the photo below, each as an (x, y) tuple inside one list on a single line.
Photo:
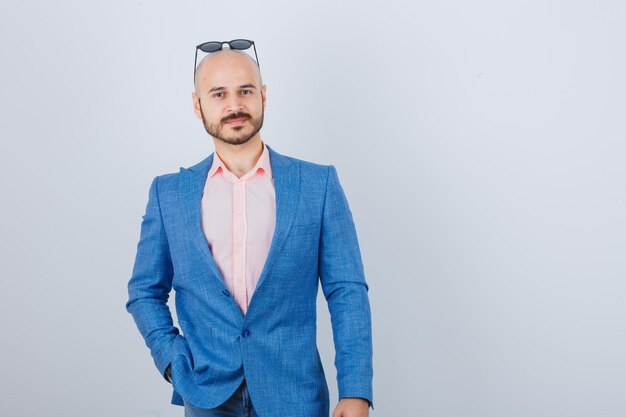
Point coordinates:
[(226, 59)]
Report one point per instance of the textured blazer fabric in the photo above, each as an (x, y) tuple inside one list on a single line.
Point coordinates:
[(273, 346)]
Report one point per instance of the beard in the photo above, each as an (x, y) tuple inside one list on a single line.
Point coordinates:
[(242, 133)]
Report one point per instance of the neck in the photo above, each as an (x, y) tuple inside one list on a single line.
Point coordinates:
[(240, 159)]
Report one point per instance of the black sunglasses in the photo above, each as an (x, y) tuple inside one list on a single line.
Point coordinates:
[(214, 46)]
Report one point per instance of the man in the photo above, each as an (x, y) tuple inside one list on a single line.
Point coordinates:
[(244, 237)]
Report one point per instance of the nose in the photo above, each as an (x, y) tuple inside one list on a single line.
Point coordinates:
[(234, 104)]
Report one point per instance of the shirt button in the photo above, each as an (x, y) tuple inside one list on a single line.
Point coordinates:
[(240, 244), (239, 211), (245, 333)]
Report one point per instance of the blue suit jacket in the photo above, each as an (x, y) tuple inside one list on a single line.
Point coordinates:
[(274, 345)]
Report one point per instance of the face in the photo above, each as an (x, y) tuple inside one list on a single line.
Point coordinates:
[(229, 98)]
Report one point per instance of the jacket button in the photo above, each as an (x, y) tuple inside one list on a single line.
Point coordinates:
[(226, 293), (245, 333)]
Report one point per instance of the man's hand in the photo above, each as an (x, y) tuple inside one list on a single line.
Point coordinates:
[(352, 407)]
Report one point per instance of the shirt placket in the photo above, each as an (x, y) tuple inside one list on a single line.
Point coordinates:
[(239, 242)]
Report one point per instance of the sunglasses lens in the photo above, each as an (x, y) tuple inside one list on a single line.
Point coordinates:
[(211, 46), (240, 44)]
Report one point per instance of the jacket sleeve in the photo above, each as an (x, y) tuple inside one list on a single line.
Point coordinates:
[(149, 287), (345, 289)]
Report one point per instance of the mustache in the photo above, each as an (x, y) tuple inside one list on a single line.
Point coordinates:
[(237, 115)]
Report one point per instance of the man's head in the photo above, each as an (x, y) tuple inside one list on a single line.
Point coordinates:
[(229, 96)]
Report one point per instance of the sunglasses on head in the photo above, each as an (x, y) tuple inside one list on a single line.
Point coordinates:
[(214, 46)]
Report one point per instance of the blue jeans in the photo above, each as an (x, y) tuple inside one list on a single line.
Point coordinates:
[(238, 405)]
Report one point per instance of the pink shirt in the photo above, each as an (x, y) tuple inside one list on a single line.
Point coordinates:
[(238, 220)]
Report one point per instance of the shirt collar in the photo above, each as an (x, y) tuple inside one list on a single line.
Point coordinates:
[(262, 165)]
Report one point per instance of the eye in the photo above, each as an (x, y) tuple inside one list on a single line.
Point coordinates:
[(218, 94), (244, 92)]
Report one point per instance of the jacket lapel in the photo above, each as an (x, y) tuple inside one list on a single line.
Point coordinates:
[(286, 177)]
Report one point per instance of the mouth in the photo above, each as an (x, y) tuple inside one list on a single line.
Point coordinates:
[(236, 122)]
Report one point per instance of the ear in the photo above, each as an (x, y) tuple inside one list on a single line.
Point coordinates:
[(263, 94), (196, 105)]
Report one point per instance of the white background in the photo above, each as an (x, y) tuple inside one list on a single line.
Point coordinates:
[(481, 146)]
